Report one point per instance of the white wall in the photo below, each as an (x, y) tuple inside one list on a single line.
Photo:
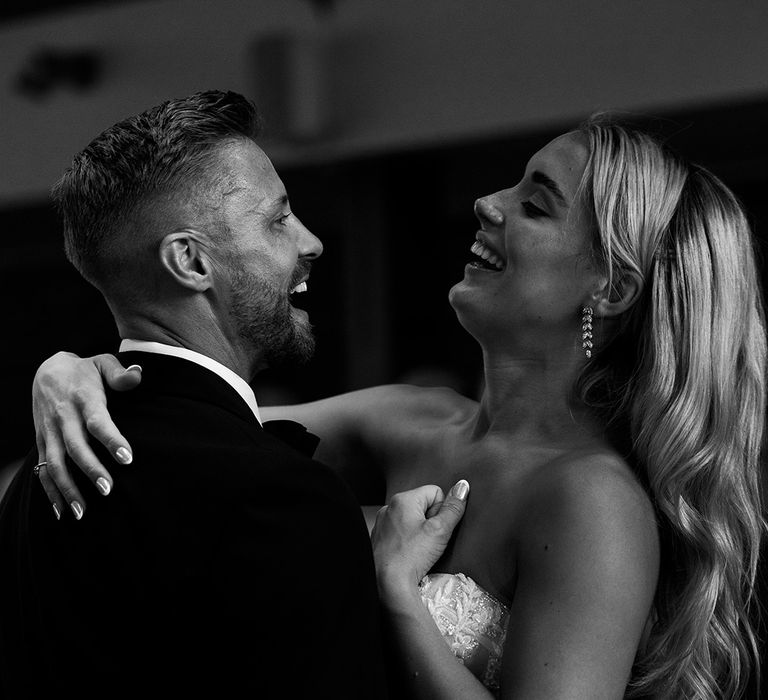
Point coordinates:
[(407, 72)]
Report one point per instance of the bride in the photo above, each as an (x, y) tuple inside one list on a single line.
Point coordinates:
[(610, 542)]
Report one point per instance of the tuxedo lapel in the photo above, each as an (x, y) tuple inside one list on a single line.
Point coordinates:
[(293, 434)]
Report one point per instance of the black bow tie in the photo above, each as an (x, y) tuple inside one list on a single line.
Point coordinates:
[(293, 434)]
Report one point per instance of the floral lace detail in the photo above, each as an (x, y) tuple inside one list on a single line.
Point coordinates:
[(472, 622)]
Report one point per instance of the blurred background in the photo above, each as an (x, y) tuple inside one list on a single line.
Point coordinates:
[(386, 120)]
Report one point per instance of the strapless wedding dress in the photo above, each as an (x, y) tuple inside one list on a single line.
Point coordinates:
[(472, 622)]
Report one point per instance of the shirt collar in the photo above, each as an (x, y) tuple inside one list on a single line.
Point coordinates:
[(234, 380)]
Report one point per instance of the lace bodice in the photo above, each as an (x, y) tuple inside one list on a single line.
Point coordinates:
[(472, 622)]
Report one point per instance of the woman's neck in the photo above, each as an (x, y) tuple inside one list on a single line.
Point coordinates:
[(533, 398)]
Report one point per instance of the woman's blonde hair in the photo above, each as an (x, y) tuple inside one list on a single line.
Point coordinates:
[(685, 375)]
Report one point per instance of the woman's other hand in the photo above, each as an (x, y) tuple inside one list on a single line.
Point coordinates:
[(410, 535), (68, 405)]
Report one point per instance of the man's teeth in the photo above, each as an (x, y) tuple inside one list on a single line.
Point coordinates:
[(301, 287), (488, 255)]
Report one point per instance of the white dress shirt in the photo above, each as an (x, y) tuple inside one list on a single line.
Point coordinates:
[(235, 381)]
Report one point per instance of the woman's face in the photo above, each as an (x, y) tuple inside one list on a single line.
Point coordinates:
[(532, 267)]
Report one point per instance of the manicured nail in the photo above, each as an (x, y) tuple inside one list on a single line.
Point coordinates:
[(56, 511), (461, 489), (103, 485), (138, 367), (123, 455), (77, 509)]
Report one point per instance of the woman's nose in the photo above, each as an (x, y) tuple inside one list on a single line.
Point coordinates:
[(488, 212)]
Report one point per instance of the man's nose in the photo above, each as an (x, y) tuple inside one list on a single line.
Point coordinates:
[(310, 245), (487, 212)]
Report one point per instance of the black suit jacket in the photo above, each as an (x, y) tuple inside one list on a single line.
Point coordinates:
[(223, 564)]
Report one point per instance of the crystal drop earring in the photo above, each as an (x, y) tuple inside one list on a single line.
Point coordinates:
[(586, 330)]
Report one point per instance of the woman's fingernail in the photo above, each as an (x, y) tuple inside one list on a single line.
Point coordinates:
[(138, 367), (123, 455), (56, 511), (103, 485), (77, 509), (461, 489)]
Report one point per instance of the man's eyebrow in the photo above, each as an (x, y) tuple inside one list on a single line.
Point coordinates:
[(261, 208), (541, 179), (280, 201), (276, 203)]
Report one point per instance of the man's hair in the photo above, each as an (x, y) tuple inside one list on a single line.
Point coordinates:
[(149, 160)]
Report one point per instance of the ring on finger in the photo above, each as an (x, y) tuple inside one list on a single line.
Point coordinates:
[(36, 468)]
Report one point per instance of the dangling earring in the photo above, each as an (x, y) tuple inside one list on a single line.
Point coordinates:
[(586, 330)]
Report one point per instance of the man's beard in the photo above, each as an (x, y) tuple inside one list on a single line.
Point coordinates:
[(264, 319)]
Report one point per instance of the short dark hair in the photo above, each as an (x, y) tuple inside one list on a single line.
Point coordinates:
[(141, 160)]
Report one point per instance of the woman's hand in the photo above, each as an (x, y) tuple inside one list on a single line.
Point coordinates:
[(68, 404), (410, 535)]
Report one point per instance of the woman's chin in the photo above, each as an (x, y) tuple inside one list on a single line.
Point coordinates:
[(463, 295), (467, 312)]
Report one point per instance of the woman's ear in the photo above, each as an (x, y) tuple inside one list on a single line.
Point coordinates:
[(183, 257), (609, 303)]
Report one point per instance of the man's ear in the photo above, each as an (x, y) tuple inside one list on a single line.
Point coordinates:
[(184, 258), (609, 303)]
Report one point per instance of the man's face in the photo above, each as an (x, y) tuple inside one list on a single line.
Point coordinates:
[(266, 256)]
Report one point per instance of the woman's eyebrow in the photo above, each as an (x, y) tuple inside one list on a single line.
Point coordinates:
[(541, 179)]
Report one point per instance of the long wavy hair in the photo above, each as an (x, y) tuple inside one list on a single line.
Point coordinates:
[(683, 378)]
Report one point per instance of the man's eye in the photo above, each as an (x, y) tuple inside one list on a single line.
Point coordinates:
[(533, 211), (282, 219)]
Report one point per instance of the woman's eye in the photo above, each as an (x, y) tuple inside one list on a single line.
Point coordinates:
[(533, 211)]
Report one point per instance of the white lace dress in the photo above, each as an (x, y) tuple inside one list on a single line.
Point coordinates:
[(472, 622)]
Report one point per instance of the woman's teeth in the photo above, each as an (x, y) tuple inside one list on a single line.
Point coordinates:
[(301, 287), (488, 255)]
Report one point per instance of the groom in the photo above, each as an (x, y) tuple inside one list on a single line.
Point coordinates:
[(226, 563)]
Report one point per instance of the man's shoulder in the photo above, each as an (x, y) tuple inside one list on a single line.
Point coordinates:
[(208, 443), (170, 415)]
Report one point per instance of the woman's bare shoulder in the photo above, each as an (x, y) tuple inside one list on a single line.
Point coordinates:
[(592, 499), (587, 561), (376, 420), (427, 403), (387, 403), (415, 397)]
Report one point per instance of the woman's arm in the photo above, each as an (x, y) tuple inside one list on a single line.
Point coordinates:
[(409, 536), (587, 565), (69, 407), (357, 432)]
